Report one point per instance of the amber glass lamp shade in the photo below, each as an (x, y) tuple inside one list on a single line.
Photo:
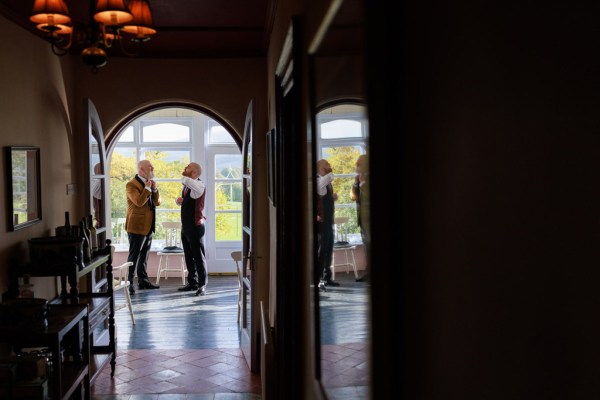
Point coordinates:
[(141, 24), (112, 12), (49, 13)]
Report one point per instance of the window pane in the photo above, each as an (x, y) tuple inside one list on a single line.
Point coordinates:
[(341, 128), (125, 152), (169, 192), (351, 228), (167, 163), (217, 134), (342, 187), (95, 156), (159, 235), (228, 166), (228, 226), (97, 202), (127, 135), (166, 132), (342, 158), (228, 196), (123, 167)]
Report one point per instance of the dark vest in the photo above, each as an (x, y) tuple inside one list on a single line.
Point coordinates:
[(192, 210), (325, 206)]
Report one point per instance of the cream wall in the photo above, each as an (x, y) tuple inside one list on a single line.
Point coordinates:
[(224, 86), (35, 111)]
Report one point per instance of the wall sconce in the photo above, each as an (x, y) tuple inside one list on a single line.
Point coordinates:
[(109, 19)]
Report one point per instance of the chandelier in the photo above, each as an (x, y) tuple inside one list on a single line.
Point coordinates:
[(112, 22)]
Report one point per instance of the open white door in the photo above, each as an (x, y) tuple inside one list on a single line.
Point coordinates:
[(247, 323)]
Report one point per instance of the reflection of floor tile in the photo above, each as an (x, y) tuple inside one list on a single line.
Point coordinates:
[(344, 365), (344, 314)]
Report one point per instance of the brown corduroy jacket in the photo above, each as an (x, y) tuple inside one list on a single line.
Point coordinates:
[(139, 214)]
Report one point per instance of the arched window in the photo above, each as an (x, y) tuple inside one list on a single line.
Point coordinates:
[(171, 138), (342, 137)]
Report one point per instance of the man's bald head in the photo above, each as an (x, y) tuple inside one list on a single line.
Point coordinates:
[(145, 169), (192, 170)]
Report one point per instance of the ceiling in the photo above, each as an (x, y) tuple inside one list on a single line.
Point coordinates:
[(185, 28)]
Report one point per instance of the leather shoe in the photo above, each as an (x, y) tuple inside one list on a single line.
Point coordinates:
[(131, 289), (331, 283), (147, 285), (201, 291), (187, 288)]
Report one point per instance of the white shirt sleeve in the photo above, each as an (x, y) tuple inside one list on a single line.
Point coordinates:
[(96, 189), (196, 186), (322, 182)]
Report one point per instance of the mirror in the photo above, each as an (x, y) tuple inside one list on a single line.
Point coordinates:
[(98, 177), (24, 194), (340, 136)]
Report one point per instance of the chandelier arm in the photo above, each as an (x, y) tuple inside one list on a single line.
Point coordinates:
[(123, 49), (58, 49), (107, 42)]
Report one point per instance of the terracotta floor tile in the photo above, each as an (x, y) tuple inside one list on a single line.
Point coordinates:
[(196, 370)]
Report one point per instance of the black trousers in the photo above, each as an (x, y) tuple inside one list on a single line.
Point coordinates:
[(139, 250), (325, 251), (192, 240)]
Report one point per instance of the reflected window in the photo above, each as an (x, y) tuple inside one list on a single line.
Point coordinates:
[(342, 132), (341, 128)]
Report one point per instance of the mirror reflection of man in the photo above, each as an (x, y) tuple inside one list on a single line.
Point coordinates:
[(97, 196), (360, 194), (325, 219)]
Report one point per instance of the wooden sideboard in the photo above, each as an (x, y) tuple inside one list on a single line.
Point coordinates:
[(95, 277), (62, 331)]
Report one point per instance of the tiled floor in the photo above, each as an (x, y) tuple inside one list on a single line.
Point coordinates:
[(187, 347), (181, 347)]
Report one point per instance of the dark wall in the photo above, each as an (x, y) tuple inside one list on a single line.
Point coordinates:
[(486, 120)]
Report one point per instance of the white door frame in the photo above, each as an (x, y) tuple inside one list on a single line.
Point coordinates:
[(218, 253)]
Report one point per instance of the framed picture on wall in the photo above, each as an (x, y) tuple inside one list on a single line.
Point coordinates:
[(24, 201)]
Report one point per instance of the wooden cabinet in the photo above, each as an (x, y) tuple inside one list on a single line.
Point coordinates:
[(66, 325), (88, 285)]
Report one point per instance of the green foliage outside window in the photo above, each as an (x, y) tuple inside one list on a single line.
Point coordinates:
[(168, 174), (343, 163), (123, 169)]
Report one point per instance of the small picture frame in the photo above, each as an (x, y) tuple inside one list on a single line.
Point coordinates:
[(24, 201)]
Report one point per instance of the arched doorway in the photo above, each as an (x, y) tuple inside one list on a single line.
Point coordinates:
[(171, 135)]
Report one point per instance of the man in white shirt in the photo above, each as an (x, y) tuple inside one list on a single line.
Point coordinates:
[(193, 228), (325, 218)]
